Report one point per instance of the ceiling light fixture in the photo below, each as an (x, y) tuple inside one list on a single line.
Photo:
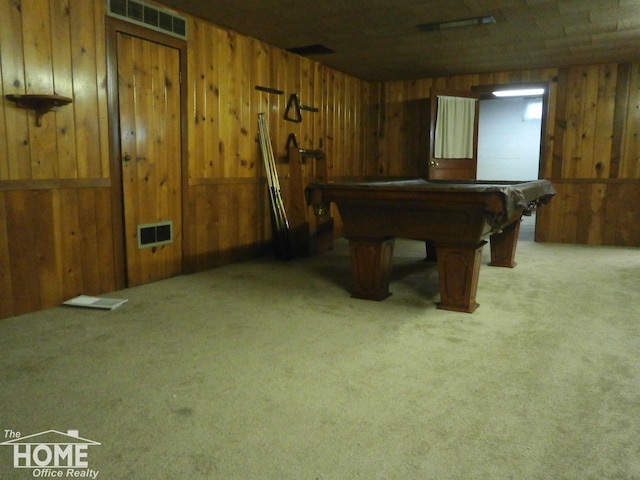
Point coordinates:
[(526, 92), (465, 22)]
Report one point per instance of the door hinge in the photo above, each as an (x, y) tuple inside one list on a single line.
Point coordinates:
[(179, 77)]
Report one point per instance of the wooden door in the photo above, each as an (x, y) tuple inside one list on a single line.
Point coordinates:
[(449, 168), (150, 144)]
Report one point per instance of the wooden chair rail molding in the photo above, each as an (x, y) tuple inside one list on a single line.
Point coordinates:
[(226, 181), (55, 184)]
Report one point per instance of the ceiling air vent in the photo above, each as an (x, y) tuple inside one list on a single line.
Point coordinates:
[(311, 50), (148, 16)]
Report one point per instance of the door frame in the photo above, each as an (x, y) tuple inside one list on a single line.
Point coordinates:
[(485, 92), (433, 118), (114, 26)]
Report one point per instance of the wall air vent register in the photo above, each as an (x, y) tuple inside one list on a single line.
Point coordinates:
[(148, 16), (154, 234)]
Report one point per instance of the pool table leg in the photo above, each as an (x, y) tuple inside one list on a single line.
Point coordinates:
[(503, 246), (371, 267), (458, 272)]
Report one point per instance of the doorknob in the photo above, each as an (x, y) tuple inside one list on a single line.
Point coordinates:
[(126, 157), (433, 163)]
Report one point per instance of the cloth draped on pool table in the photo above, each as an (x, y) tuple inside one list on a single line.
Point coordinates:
[(515, 192)]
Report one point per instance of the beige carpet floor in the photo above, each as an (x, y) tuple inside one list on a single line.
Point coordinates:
[(269, 370)]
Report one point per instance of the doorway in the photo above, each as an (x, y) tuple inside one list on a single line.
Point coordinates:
[(511, 134), (146, 104)]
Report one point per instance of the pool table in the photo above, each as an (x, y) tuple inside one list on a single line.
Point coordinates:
[(454, 217)]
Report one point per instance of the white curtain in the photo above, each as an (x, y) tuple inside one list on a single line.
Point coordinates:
[(454, 127)]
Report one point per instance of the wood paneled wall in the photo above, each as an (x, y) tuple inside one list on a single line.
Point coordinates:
[(56, 232), (591, 146), (228, 209), (55, 211)]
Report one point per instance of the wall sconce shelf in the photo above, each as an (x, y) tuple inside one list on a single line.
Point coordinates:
[(41, 104)]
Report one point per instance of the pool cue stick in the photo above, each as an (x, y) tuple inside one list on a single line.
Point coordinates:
[(269, 173), (282, 233), (272, 176)]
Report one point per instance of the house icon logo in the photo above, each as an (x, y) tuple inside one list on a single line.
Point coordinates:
[(50, 453)]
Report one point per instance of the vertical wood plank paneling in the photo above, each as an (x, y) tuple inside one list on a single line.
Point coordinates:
[(65, 160), (22, 227), (583, 202), (305, 91), (574, 118), (612, 222), (87, 209), (292, 86), (128, 144), (150, 123), (196, 92), (592, 133), (6, 288), (317, 140), (71, 238), (343, 149), (248, 227), (630, 218), (213, 141), (13, 81), (349, 140), (170, 183), (604, 121), (373, 128), (543, 223), (235, 87), (85, 91), (357, 130), (630, 162), (391, 158), (277, 103), (52, 46), (619, 118), (597, 211), (547, 149), (587, 140), (165, 172), (225, 105), (4, 144), (208, 226), (39, 38), (570, 203), (46, 266), (345, 106), (36, 32), (104, 241), (560, 119), (102, 110), (259, 103), (244, 157), (230, 233)]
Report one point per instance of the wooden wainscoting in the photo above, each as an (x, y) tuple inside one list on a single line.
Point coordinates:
[(55, 243)]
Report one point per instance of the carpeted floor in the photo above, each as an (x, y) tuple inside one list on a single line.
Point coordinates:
[(269, 370)]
